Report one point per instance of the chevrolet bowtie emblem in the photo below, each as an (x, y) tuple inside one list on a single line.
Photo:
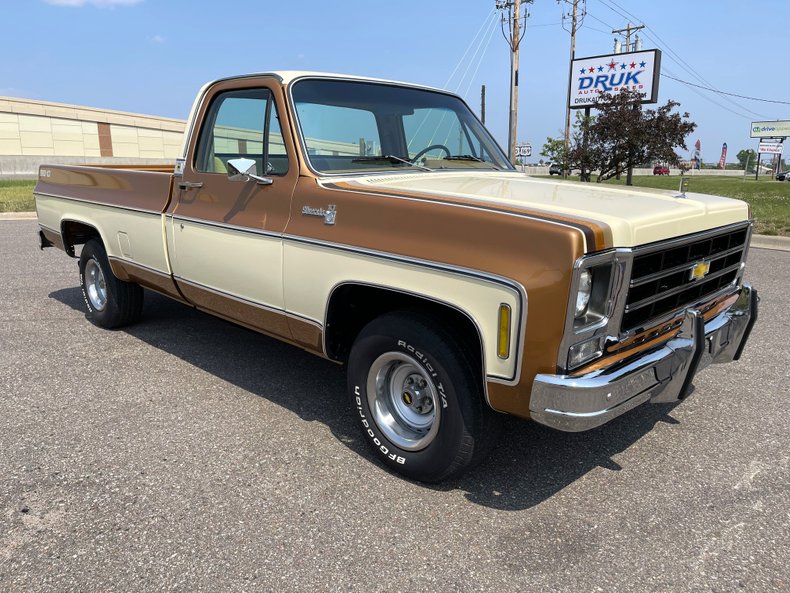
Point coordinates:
[(700, 270)]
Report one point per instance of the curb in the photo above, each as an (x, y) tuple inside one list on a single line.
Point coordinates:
[(17, 215), (758, 241), (770, 242)]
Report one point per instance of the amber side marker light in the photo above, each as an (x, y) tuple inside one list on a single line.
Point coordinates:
[(503, 341)]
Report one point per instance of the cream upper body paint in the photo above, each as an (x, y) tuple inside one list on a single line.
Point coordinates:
[(635, 216)]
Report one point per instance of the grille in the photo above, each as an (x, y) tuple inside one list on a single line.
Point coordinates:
[(661, 280)]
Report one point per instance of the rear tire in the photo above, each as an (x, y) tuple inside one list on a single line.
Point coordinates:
[(418, 398), (111, 302)]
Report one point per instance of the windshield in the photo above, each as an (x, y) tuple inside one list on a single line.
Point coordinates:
[(352, 127)]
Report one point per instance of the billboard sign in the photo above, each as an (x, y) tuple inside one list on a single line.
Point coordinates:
[(634, 71), (770, 148), (771, 129)]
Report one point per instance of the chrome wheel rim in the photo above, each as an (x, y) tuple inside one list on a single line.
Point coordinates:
[(403, 400), (95, 286)]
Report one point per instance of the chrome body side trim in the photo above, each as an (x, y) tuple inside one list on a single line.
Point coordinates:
[(661, 375), (255, 304), (95, 203), (221, 225), (137, 264)]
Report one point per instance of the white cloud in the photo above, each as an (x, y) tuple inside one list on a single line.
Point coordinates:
[(158, 39), (97, 3)]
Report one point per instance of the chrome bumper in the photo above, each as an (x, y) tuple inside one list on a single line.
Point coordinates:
[(662, 375)]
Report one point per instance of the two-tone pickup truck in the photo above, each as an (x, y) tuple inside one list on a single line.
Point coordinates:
[(379, 225)]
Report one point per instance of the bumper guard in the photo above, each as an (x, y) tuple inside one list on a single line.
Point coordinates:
[(662, 375)]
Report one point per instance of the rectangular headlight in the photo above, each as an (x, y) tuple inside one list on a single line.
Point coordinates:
[(593, 287)]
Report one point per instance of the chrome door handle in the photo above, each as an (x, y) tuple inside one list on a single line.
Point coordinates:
[(190, 184)]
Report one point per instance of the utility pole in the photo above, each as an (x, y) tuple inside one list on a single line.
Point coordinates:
[(513, 36), (629, 177), (627, 33), (574, 23), (483, 104)]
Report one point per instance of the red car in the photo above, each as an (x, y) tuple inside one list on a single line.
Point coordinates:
[(660, 170)]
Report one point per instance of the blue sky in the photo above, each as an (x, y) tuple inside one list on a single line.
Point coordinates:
[(151, 56)]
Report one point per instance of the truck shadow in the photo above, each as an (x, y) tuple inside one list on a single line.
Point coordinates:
[(530, 464)]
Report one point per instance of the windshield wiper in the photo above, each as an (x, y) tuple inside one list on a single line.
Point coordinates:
[(389, 157), (463, 157), (469, 157)]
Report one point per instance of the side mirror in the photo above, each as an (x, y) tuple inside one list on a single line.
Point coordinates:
[(242, 169)]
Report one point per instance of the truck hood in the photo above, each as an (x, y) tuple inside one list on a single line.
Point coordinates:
[(627, 216)]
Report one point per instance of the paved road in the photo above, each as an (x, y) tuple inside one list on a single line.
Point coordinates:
[(186, 454)]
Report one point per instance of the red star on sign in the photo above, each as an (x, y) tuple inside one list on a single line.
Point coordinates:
[(633, 64), (612, 65), (592, 69)]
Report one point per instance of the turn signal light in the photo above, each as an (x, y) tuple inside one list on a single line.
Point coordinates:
[(503, 341)]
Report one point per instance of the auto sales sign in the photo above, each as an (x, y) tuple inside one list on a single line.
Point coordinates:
[(635, 71)]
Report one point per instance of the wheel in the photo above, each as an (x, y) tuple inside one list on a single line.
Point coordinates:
[(111, 302), (418, 398), (428, 149)]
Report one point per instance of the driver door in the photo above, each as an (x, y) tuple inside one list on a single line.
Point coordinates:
[(225, 237)]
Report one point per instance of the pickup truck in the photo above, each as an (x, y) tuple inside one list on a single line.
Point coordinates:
[(379, 225)]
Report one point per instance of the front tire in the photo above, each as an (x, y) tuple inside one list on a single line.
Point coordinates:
[(418, 398), (111, 302)]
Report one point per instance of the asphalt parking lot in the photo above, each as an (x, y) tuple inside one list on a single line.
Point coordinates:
[(186, 454)]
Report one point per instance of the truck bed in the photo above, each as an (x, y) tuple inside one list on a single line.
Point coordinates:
[(140, 187)]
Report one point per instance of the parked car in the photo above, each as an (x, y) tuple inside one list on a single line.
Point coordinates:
[(451, 286), (555, 169), (783, 176), (660, 170)]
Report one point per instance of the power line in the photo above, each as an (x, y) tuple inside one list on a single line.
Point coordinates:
[(711, 100), (491, 15), (484, 49), (671, 54), (699, 86), (592, 16), (473, 57)]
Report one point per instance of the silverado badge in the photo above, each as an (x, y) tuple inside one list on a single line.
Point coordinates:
[(328, 214)]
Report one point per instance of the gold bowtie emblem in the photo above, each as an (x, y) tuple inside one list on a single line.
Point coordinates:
[(700, 270)]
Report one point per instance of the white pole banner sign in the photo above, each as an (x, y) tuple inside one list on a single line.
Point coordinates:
[(635, 71)]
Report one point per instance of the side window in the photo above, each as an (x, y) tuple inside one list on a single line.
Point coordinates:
[(235, 126)]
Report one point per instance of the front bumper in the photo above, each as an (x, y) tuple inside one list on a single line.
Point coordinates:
[(662, 375)]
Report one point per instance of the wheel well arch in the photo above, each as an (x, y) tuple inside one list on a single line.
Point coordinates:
[(75, 232), (352, 305)]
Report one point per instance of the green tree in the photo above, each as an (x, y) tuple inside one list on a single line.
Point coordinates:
[(746, 158), (623, 135), (554, 150)]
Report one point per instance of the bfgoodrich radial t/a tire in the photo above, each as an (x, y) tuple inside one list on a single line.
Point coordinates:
[(111, 302), (418, 398)]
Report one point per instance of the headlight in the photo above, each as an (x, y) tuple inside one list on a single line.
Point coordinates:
[(585, 290)]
